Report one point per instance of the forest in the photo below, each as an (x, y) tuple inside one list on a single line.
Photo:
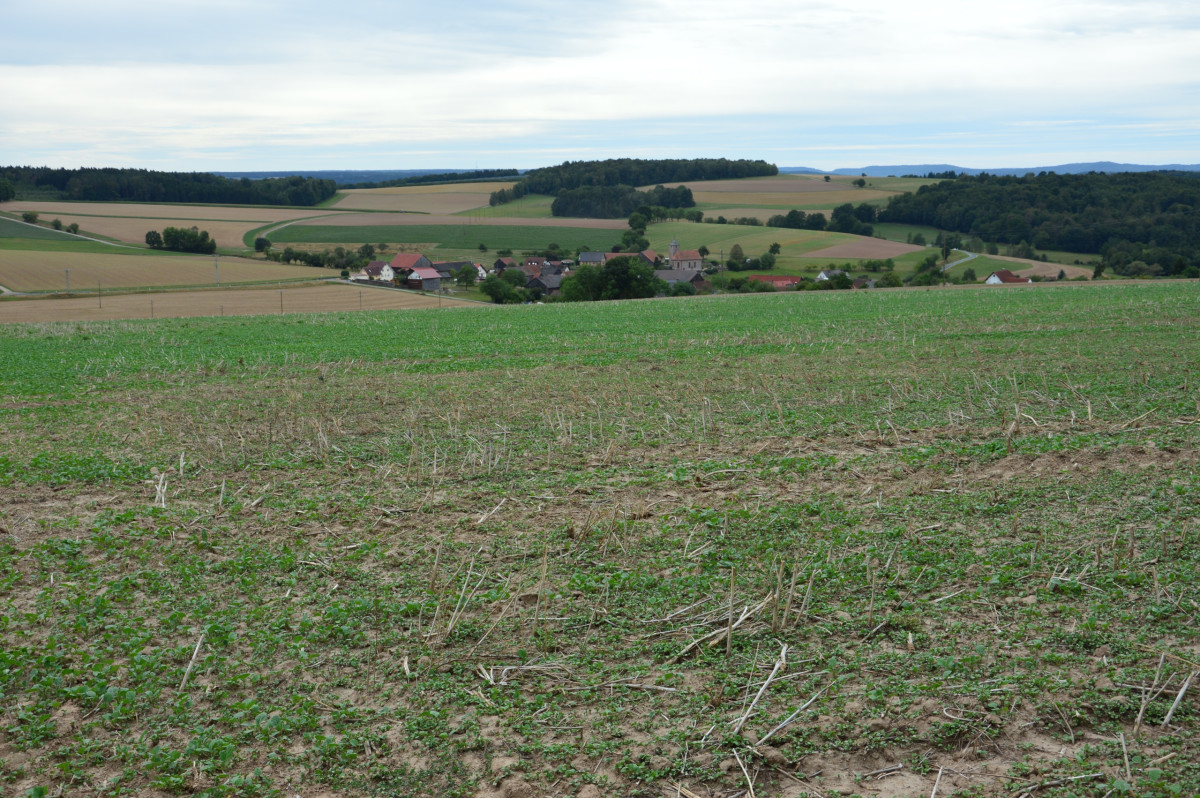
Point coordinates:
[(579, 183), (441, 177), (143, 185), (1145, 223)]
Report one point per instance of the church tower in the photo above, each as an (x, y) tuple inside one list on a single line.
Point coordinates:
[(672, 248)]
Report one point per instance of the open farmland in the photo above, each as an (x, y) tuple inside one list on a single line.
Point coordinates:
[(438, 199), (872, 543), (221, 302), (862, 247), (34, 270), (754, 196), (408, 219), (463, 235)]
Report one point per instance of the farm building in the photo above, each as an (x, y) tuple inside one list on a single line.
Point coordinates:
[(591, 258), (784, 282), (407, 261), (829, 274), (424, 278), (1005, 277), (673, 276), (549, 284)]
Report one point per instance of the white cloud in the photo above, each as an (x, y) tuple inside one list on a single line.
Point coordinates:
[(218, 76)]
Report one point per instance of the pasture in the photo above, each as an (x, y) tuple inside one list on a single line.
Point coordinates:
[(907, 542), (465, 235)]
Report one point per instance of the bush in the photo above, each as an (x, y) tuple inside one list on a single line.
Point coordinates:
[(262, 244), (29, 217)]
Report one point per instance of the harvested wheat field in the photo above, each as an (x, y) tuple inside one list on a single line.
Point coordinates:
[(222, 302), (22, 270), (133, 230), (415, 219), (152, 210), (444, 199), (866, 248)]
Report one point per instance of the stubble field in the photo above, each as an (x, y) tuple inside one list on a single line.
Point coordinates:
[(37, 270), (221, 302), (876, 543)]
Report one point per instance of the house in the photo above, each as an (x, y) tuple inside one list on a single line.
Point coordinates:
[(591, 258), (673, 276), (449, 269), (784, 282), (863, 282), (550, 284), (535, 262), (503, 263), (1005, 277), (424, 278), (829, 274), (684, 258), (376, 270)]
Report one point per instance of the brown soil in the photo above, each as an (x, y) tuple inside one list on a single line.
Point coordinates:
[(865, 248), (222, 302)]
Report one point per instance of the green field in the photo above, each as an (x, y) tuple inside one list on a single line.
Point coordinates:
[(10, 229), (534, 206), (465, 236), (498, 553)]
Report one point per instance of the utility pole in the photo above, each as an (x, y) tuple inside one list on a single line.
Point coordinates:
[(99, 296), (217, 266), (68, 271)]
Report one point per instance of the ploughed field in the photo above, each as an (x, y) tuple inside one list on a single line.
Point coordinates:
[(325, 298), (873, 543)]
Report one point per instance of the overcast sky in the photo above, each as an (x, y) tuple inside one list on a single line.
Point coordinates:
[(367, 84)]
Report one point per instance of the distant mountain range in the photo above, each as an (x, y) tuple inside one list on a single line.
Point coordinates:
[(938, 168)]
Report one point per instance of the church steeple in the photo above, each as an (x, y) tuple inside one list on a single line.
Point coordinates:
[(672, 248)]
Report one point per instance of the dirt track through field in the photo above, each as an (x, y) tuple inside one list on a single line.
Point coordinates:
[(222, 302)]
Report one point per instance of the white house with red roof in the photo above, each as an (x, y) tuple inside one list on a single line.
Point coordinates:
[(1005, 277)]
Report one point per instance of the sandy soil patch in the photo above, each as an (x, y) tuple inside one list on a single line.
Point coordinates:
[(44, 271), (407, 219), (50, 210), (866, 248), (222, 302), (451, 198)]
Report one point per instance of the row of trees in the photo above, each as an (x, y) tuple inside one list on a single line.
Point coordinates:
[(1147, 217), (182, 239), (613, 202), (143, 185), (846, 218)]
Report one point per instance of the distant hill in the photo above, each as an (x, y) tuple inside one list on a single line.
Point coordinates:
[(1109, 167)]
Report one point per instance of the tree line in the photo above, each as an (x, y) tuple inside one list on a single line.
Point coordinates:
[(143, 185), (443, 177), (1143, 223), (605, 189)]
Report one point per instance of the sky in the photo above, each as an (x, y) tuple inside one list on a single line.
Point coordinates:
[(241, 85)]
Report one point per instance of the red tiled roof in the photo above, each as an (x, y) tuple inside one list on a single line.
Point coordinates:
[(425, 273), (686, 254), (406, 260), (1005, 276), (775, 279)]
